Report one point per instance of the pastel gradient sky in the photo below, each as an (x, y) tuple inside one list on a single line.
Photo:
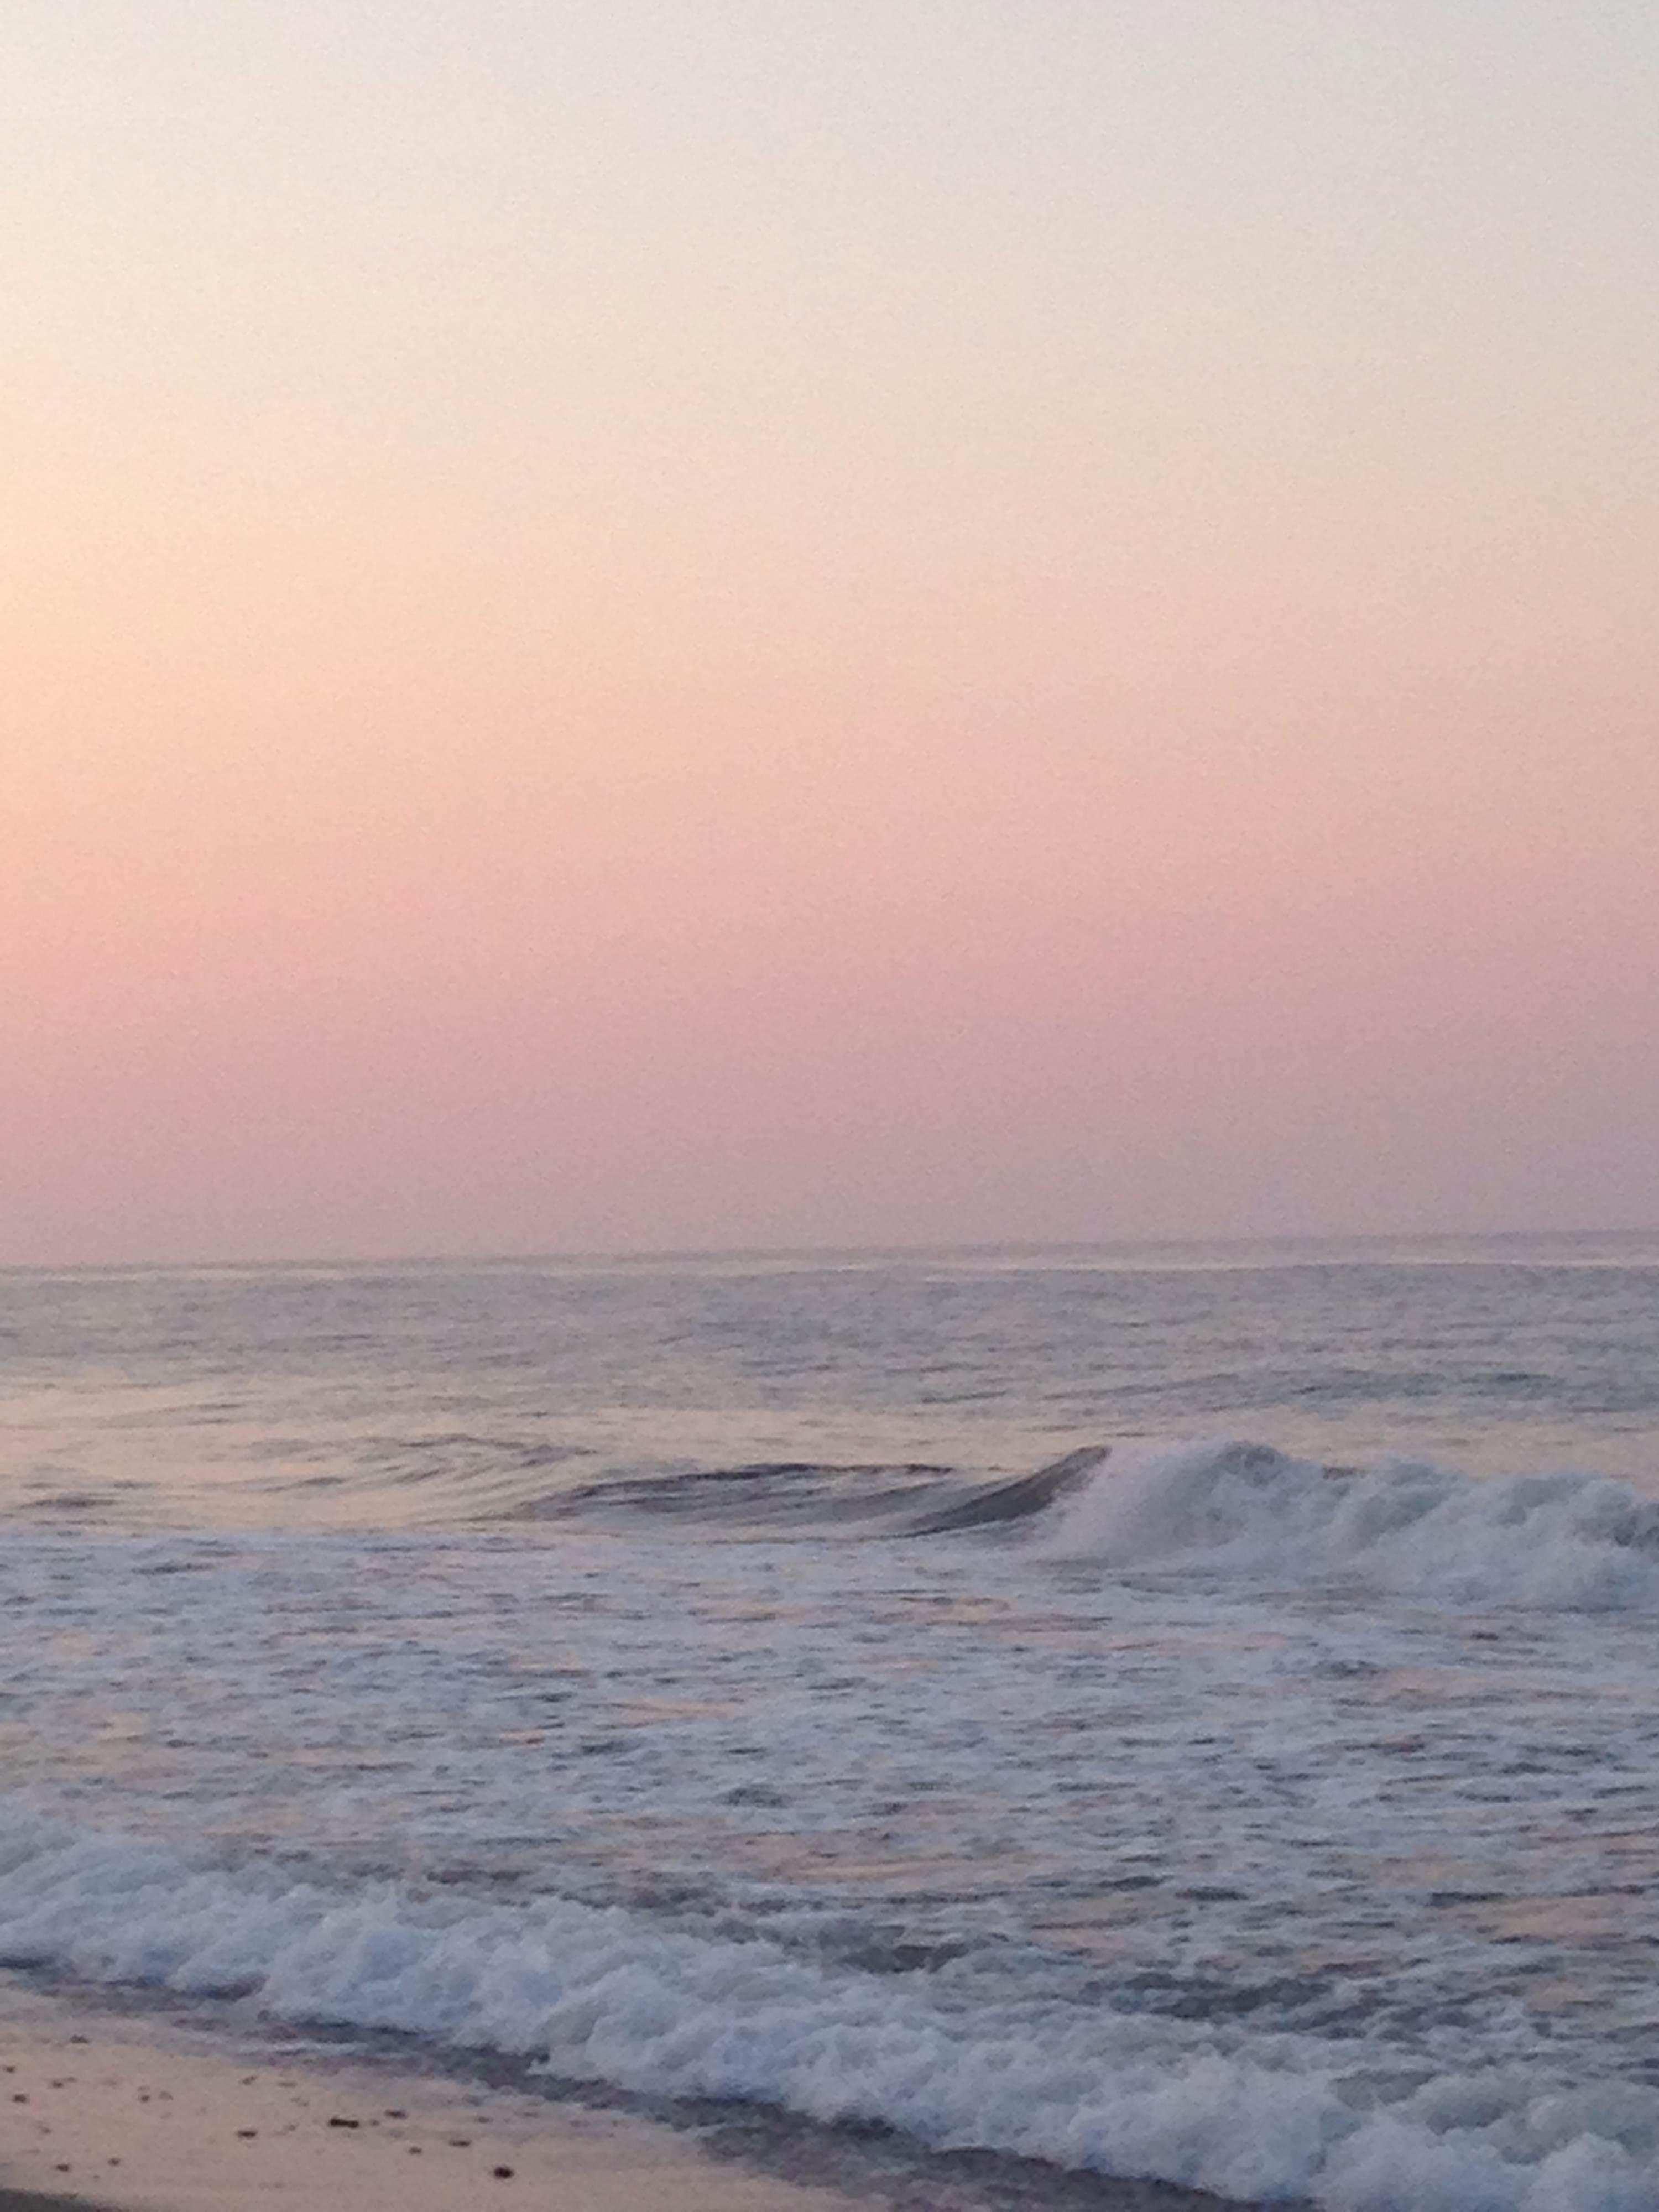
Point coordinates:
[(776, 621)]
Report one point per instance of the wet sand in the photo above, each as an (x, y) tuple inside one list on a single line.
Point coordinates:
[(30, 2200), (120, 2114)]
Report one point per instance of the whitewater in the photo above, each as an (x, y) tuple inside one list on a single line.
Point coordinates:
[(663, 1675)]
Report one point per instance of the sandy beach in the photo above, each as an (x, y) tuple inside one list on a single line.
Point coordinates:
[(124, 2114)]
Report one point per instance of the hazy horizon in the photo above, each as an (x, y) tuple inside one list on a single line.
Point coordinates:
[(1428, 1243), (821, 625)]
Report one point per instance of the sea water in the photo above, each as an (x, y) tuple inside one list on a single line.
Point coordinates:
[(544, 1659)]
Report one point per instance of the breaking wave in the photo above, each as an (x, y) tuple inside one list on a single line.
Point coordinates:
[(604, 1995), (1569, 1540)]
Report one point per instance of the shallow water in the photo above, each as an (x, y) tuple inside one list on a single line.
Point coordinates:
[(532, 1659)]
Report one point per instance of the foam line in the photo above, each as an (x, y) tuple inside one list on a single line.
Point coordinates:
[(604, 1995)]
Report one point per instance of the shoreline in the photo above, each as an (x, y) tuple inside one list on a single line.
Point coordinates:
[(102, 2113), (102, 2109)]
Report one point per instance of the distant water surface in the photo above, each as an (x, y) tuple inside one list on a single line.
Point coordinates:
[(444, 1393)]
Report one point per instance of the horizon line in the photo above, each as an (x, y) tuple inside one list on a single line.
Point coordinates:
[(979, 1248)]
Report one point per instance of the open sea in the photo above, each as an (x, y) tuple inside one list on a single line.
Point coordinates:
[(659, 1675)]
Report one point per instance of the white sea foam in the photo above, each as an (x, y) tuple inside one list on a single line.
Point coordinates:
[(1567, 1540), (604, 1995)]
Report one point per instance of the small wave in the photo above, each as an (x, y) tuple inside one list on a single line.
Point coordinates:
[(907, 1498), (606, 1996), (1568, 1541), (989, 1505), (444, 1477), (769, 1497)]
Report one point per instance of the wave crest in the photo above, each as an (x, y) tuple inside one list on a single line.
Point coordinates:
[(1567, 1540)]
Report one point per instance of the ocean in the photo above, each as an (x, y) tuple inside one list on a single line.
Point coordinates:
[(656, 1675)]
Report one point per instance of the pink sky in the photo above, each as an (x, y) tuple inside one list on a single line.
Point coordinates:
[(872, 625)]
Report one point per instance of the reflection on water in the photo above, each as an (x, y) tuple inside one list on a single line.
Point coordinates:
[(1316, 1810)]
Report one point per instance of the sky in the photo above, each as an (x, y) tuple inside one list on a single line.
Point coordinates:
[(769, 622)]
